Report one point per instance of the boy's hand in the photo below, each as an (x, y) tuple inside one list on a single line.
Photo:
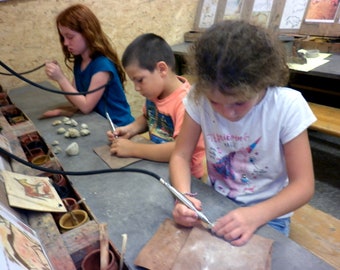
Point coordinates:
[(121, 147), (121, 132)]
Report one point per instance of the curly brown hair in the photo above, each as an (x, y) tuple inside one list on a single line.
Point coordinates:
[(239, 59), (81, 19)]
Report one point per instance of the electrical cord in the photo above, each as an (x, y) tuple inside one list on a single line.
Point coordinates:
[(22, 161), (22, 73), (174, 192), (46, 88)]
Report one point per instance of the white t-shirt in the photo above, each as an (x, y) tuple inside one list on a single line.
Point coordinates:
[(245, 159)]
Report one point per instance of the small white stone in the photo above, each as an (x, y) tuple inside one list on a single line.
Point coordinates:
[(54, 143), (72, 149), (73, 132), (83, 125), (56, 122), (74, 123), (57, 149), (66, 119), (61, 130), (84, 132)]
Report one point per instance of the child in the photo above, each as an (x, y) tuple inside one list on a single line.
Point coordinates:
[(255, 132), (95, 64), (149, 62)]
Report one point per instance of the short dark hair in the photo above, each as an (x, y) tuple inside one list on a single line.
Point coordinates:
[(147, 50)]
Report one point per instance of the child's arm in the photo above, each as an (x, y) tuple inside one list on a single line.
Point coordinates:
[(239, 225), (180, 173), (85, 103), (156, 152), (123, 147)]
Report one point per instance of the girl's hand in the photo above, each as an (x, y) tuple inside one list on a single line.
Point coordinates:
[(238, 226), (53, 70), (185, 216)]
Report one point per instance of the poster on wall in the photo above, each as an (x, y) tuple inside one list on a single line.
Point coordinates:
[(322, 11), (206, 14), (20, 248), (261, 12), (232, 10), (293, 13)]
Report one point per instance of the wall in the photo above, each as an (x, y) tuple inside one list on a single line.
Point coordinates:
[(28, 35)]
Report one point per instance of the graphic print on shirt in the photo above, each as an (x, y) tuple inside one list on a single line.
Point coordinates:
[(233, 174), (161, 126)]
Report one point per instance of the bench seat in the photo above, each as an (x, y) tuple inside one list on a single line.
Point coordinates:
[(328, 119)]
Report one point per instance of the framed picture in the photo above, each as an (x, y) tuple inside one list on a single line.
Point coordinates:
[(206, 14), (322, 18)]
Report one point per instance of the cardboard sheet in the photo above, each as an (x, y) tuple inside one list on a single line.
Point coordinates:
[(115, 162), (174, 247)]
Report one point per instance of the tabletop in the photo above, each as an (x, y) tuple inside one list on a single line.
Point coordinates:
[(136, 203)]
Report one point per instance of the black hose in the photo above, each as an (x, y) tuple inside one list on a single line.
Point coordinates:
[(135, 170), (46, 88), (22, 73)]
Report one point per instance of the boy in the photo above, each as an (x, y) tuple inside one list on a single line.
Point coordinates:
[(149, 62)]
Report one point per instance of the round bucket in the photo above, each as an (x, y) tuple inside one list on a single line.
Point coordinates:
[(67, 222), (40, 160), (92, 261)]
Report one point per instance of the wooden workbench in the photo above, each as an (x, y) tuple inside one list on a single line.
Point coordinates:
[(133, 203), (65, 250)]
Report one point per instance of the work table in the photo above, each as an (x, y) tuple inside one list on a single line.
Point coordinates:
[(135, 203)]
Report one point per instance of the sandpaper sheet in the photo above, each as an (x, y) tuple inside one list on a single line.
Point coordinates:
[(115, 162), (175, 248)]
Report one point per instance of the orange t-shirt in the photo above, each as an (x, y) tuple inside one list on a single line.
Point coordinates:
[(165, 118)]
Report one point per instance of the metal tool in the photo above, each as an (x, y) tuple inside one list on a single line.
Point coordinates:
[(187, 202), (111, 124), (110, 121)]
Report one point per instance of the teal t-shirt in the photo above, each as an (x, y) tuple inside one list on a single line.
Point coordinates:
[(113, 100)]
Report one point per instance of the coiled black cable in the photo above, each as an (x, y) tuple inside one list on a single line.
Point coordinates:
[(46, 88), (22, 73), (26, 163)]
